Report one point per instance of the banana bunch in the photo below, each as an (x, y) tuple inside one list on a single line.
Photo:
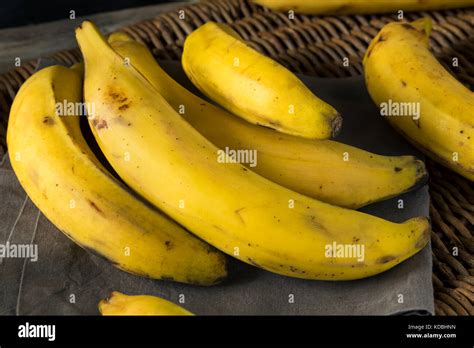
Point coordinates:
[(313, 168), (70, 186), (342, 7), (168, 162), (170, 158), (402, 74), (121, 304)]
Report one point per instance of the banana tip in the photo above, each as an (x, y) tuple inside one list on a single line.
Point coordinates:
[(425, 235), (84, 25), (109, 297), (422, 175), (336, 125), (107, 300)]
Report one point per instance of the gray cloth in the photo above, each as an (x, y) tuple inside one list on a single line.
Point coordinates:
[(65, 273)]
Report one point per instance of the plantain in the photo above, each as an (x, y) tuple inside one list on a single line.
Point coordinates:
[(239, 212), (253, 86), (69, 185), (121, 304), (342, 7), (313, 168), (401, 71)]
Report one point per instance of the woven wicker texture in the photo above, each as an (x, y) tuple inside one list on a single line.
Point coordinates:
[(317, 46)]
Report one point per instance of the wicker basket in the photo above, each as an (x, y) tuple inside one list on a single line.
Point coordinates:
[(316, 46)]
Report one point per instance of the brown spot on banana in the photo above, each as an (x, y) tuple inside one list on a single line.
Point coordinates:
[(237, 212), (48, 120), (385, 259), (293, 269), (408, 26), (252, 262), (316, 224), (99, 123), (119, 120), (95, 207), (117, 96)]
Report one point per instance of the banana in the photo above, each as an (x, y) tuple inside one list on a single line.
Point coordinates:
[(340, 7), (253, 86), (121, 304), (243, 214), (402, 74), (70, 186), (313, 168)]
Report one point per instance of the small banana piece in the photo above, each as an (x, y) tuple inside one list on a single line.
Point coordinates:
[(340, 7), (400, 71), (239, 212), (315, 168), (253, 86), (121, 304), (69, 185)]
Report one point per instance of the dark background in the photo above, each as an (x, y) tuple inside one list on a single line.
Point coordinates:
[(23, 12)]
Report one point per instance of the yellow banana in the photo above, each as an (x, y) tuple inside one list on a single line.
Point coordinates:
[(339, 7), (314, 168), (227, 205), (121, 304), (69, 185), (253, 86), (402, 75)]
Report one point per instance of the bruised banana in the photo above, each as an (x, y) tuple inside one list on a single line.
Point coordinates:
[(339, 7), (121, 304), (227, 205), (313, 168), (69, 185), (253, 86), (400, 70)]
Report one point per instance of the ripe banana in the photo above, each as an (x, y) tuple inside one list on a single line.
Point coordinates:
[(69, 185), (227, 205), (121, 304), (253, 86), (339, 7), (401, 71), (314, 168)]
